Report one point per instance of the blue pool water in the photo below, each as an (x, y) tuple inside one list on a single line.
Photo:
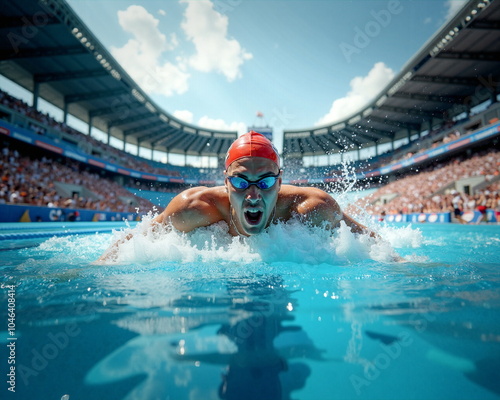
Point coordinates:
[(290, 314)]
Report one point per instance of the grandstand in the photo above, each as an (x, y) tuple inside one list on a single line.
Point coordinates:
[(440, 114)]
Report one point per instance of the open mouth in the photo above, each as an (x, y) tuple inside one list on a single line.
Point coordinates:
[(253, 217)]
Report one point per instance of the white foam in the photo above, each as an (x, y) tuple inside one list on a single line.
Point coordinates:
[(281, 243), (402, 237), (284, 242)]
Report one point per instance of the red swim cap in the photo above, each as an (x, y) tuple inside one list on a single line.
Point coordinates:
[(252, 144)]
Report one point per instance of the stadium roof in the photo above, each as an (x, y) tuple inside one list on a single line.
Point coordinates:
[(458, 68), (47, 49)]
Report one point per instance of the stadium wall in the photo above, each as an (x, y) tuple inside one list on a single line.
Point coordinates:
[(27, 213), (472, 217)]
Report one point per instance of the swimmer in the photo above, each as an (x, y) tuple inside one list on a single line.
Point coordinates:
[(252, 197)]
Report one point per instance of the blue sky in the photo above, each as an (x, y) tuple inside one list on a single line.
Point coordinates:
[(301, 63), (216, 63)]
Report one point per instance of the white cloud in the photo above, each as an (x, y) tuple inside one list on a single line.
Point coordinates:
[(184, 115), (427, 21), (363, 90), (220, 124), (162, 12), (141, 55), (453, 6), (215, 51), (211, 123)]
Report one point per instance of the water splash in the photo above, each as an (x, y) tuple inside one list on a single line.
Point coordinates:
[(283, 242)]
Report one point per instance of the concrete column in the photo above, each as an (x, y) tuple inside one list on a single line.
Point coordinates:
[(90, 125), (36, 92), (65, 113), (494, 95)]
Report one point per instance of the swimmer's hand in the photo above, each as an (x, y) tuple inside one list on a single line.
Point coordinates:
[(399, 259), (111, 254), (356, 227), (108, 256)]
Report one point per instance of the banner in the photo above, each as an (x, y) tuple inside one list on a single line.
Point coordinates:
[(414, 218), (471, 217), (27, 213)]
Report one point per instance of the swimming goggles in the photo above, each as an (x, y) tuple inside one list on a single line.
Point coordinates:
[(264, 183)]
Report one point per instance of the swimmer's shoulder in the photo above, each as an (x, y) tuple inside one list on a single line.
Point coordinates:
[(290, 195), (312, 203), (207, 201), (211, 195)]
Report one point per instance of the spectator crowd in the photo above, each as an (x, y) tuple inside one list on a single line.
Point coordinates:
[(86, 143), (26, 180), (431, 190), (33, 181)]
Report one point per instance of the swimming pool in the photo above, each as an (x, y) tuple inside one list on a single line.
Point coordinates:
[(292, 313)]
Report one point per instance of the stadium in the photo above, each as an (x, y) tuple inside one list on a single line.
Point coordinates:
[(428, 117), (424, 152)]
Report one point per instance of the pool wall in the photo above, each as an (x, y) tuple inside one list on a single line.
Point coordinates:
[(40, 230)]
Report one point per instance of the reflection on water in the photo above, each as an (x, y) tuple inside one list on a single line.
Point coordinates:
[(173, 332), (251, 337), (258, 369), (260, 327)]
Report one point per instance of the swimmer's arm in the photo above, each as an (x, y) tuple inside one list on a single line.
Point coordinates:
[(356, 227), (187, 212), (184, 213), (323, 207), (112, 251), (330, 211)]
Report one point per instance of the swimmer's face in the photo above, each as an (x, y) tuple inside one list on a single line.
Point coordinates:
[(253, 207)]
